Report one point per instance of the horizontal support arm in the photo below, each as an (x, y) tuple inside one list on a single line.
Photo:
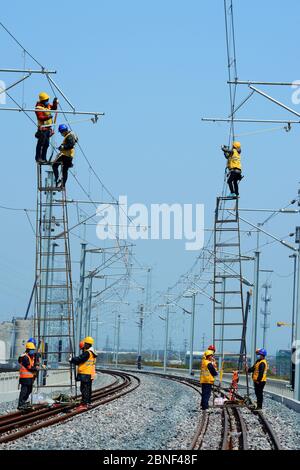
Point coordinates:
[(43, 71), (87, 113)]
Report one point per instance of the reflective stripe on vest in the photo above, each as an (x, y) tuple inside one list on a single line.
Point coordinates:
[(45, 109), (24, 372), (256, 371), (205, 375), (69, 152), (88, 367), (234, 161)]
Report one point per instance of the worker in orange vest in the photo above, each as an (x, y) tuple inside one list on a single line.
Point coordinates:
[(28, 370), (86, 363), (44, 121)]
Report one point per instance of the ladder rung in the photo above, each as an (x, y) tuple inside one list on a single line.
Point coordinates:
[(54, 352), (226, 221), (228, 308), (228, 339), (56, 336), (228, 229), (228, 292), (227, 244), (55, 286), (53, 270), (228, 260), (53, 319), (229, 324), (52, 189), (228, 276), (55, 302), (53, 237), (49, 253), (225, 198)]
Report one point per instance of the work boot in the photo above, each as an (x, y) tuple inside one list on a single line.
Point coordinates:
[(82, 406)]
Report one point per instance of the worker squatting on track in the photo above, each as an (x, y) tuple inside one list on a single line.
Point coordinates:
[(234, 167), (86, 372), (44, 134), (259, 376), (207, 378)]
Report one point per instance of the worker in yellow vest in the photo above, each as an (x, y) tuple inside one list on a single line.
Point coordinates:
[(66, 155), (207, 378), (259, 375), (86, 363), (28, 370), (234, 167)]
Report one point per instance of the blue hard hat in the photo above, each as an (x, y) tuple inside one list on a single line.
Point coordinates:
[(62, 128), (261, 352), (32, 340)]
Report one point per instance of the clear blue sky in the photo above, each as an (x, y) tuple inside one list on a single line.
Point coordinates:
[(155, 68)]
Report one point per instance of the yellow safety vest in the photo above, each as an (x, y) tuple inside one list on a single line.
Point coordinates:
[(205, 375), (256, 371), (69, 152), (88, 367), (46, 111), (234, 161)]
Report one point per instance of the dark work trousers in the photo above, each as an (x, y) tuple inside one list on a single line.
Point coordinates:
[(233, 178), (86, 391), (206, 392), (26, 389), (66, 163), (259, 389), (42, 144)]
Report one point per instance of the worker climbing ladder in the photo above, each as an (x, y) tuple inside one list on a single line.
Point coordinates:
[(229, 325), (54, 317)]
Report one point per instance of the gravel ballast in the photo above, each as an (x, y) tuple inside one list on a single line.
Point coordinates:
[(160, 414)]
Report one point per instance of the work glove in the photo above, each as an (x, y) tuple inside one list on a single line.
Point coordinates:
[(55, 101), (70, 358)]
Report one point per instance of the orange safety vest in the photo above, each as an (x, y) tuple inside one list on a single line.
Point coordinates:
[(46, 110), (25, 373), (88, 367)]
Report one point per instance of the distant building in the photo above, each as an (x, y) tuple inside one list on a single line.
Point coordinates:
[(13, 336), (283, 362)]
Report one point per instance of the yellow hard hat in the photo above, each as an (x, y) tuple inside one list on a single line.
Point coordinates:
[(89, 340), (30, 346), (43, 96), (208, 352), (236, 145)]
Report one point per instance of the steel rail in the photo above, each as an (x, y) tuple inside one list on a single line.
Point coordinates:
[(203, 424), (39, 419)]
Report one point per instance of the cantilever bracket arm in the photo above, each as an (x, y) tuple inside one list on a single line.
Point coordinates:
[(282, 105), (86, 113), (43, 71), (14, 84), (283, 242)]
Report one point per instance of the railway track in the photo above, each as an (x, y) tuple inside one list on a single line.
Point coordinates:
[(234, 426), (15, 425)]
